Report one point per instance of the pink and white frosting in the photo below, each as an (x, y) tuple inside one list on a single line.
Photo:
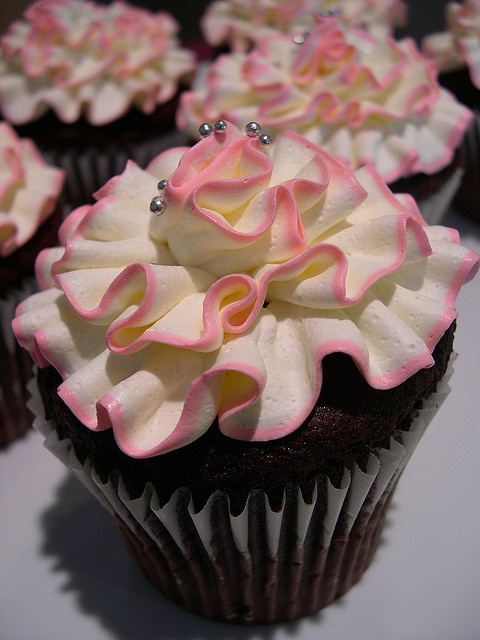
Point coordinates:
[(76, 57), (265, 259), (241, 23), (29, 190), (361, 100), (459, 45)]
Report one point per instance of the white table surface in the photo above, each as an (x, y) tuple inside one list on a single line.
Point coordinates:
[(65, 574)]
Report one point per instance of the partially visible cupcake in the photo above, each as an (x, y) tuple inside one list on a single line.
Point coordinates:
[(30, 216), (457, 53), (363, 100), (93, 85), (240, 367), (240, 24)]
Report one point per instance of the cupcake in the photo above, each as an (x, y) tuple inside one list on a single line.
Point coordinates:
[(239, 367), (457, 53), (362, 100), (93, 85), (29, 219), (239, 24)]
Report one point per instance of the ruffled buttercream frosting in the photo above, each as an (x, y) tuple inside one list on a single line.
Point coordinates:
[(79, 58), (361, 100), (29, 189), (459, 45), (266, 258), (241, 23)]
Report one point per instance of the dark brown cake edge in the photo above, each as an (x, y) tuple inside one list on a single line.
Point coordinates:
[(349, 421)]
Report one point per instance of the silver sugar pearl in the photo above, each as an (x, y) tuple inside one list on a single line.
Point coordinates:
[(161, 185), (265, 139), (220, 126), (205, 129), (157, 206), (253, 129)]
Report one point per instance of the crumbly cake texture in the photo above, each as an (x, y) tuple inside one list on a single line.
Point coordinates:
[(350, 419)]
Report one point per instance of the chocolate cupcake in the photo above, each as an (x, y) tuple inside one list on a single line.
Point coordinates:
[(363, 100), (457, 53), (240, 367), (238, 25), (93, 85), (30, 215)]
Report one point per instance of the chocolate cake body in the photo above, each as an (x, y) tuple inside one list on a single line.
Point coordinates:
[(243, 390), (350, 420)]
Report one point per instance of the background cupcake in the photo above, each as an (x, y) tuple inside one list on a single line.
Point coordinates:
[(93, 85), (29, 218), (457, 53), (200, 351), (363, 100), (239, 25)]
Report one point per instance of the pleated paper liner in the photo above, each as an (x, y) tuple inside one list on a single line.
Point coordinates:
[(15, 368), (467, 199), (261, 566), (89, 169)]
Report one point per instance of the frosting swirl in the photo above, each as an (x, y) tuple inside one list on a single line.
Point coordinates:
[(29, 189), (459, 45), (266, 258), (361, 100), (241, 23), (76, 57)]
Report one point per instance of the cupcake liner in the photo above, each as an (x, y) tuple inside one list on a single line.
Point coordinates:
[(467, 199), (260, 566), (16, 368), (89, 169)]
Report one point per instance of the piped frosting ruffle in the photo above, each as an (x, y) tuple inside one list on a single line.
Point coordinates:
[(29, 190), (265, 259), (80, 58), (363, 101)]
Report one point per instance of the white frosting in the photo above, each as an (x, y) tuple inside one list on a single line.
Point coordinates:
[(362, 101), (265, 259), (241, 23), (459, 45), (29, 190), (78, 57)]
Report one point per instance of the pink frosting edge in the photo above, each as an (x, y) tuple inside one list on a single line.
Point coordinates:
[(410, 164), (45, 206), (40, 103), (467, 269), (188, 428)]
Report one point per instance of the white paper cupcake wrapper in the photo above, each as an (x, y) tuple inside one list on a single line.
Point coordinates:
[(318, 532)]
